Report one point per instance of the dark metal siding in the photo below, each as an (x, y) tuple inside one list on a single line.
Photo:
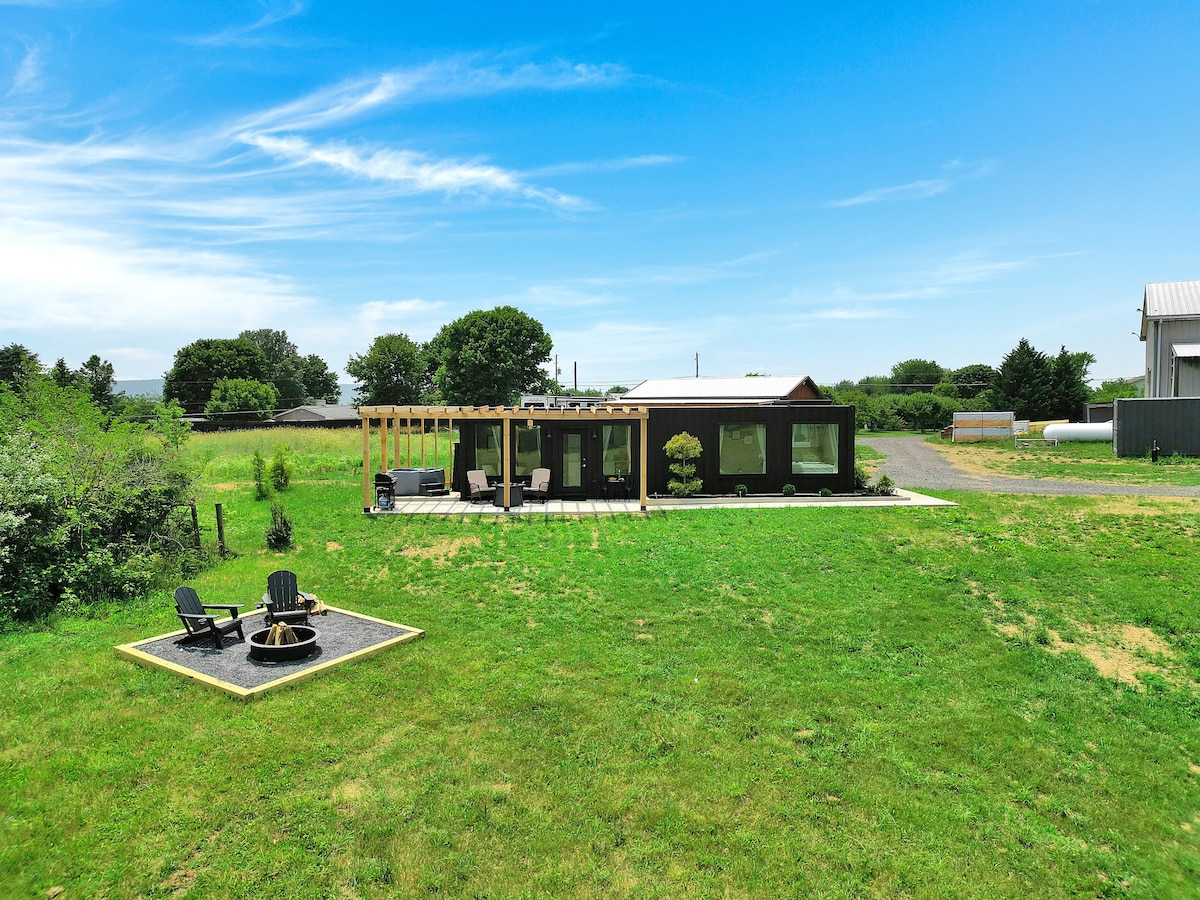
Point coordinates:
[(703, 422), (1173, 423)]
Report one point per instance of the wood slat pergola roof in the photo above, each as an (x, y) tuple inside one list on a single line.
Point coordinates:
[(506, 414)]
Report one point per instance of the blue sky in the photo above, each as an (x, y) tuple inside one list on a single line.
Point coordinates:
[(799, 188)]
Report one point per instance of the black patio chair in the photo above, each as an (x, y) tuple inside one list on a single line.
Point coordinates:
[(284, 601), (199, 623)]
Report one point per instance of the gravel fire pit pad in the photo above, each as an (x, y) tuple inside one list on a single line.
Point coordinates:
[(342, 635)]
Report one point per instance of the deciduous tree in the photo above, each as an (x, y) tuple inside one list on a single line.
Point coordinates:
[(393, 371), (489, 357), (201, 364), (242, 399)]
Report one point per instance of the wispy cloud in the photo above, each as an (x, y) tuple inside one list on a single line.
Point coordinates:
[(440, 80), (412, 172), (606, 165), (956, 173), (961, 275), (849, 315), (28, 75), (55, 276), (247, 35)]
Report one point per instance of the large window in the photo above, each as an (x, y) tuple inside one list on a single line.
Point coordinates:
[(487, 449), (815, 449), (743, 449), (529, 449), (617, 456)]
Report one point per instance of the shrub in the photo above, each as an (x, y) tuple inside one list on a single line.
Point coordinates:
[(789, 490), (862, 477), (279, 535), (740, 489), (885, 486), (825, 492), (683, 448), (89, 505), (259, 467), (279, 469)]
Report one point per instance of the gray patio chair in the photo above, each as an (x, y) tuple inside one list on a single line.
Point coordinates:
[(479, 491), (539, 485), (200, 623)]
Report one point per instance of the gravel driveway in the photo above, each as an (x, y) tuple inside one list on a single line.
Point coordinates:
[(914, 464)]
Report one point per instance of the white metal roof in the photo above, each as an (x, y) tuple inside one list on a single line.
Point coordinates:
[(753, 388), (1188, 351), (1168, 299)]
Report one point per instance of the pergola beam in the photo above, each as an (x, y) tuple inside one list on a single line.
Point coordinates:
[(506, 414)]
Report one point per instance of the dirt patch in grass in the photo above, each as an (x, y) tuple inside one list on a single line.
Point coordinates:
[(442, 551), (331, 546), (1123, 653), (226, 486)]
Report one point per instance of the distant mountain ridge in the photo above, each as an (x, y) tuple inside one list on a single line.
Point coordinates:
[(136, 386), (153, 387)]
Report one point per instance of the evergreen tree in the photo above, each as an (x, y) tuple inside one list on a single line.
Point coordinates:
[(1069, 384), (98, 380), (1024, 383)]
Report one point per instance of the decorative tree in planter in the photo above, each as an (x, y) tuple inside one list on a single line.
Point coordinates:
[(683, 448)]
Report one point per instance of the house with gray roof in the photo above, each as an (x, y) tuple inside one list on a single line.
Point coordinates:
[(1171, 330)]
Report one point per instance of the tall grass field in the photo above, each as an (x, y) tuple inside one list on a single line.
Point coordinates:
[(990, 701)]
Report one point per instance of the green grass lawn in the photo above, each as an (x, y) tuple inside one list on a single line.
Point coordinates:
[(1073, 461), (816, 702)]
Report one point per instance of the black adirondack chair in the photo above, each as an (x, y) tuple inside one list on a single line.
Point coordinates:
[(284, 601), (200, 623)]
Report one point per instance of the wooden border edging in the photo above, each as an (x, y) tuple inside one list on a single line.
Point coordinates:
[(134, 653)]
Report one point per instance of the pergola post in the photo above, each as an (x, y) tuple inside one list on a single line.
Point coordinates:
[(645, 442), (506, 465), (366, 429)]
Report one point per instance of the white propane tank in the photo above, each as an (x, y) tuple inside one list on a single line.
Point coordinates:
[(1079, 431)]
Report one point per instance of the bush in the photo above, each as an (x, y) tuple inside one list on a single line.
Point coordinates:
[(740, 489), (884, 486), (789, 490), (259, 467), (861, 477), (683, 448), (279, 535), (279, 469), (89, 504), (825, 492)]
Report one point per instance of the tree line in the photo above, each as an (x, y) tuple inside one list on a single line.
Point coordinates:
[(921, 395), (485, 358)]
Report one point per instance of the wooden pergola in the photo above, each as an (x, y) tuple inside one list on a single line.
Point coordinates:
[(423, 417)]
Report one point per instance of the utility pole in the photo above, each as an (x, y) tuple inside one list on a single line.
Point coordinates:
[(576, 377), (697, 365)]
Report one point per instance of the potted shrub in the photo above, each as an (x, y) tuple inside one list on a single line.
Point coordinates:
[(740, 490), (789, 490)]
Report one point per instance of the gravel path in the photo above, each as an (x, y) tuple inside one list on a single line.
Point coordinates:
[(914, 464)]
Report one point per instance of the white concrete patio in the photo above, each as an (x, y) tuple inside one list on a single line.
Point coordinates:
[(453, 505)]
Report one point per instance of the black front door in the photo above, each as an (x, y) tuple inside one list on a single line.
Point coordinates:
[(571, 472)]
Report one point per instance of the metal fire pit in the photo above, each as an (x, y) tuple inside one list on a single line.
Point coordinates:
[(264, 652)]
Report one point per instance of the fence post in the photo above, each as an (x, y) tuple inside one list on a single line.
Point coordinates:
[(220, 531), (195, 523)]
